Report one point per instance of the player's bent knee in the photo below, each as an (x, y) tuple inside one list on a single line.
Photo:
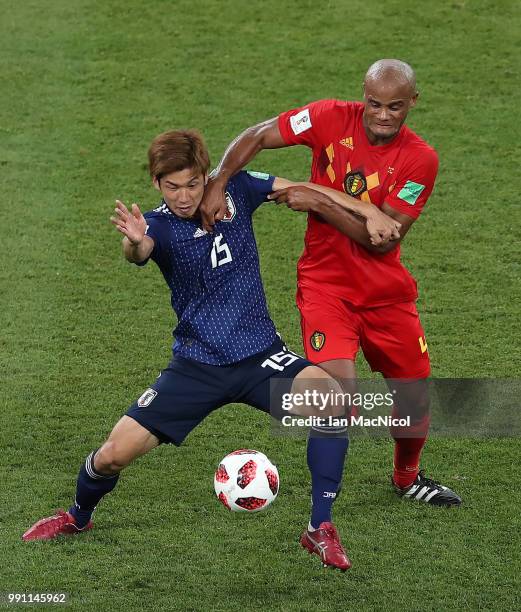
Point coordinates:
[(324, 393), (111, 458), (312, 372), (317, 378)]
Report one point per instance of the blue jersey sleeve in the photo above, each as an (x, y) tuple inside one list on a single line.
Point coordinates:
[(259, 186), (154, 231)]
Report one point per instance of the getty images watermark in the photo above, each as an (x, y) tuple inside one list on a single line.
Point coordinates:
[(446, 407), (314, 400)]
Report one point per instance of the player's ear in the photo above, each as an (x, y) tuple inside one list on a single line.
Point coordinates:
[(155, 182), (414, 99)]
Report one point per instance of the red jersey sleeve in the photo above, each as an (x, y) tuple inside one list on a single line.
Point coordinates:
[(308, 124), (415, 183)]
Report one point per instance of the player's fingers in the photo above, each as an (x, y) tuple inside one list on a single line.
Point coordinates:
[(375, 238), (122, 214), (207, 222), (136, 212), (279, 196), (118, 223), (395, 228), (121, 206)]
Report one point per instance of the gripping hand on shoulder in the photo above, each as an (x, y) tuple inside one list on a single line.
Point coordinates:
[(213, 204)]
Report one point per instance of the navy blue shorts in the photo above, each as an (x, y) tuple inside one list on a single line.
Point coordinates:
[(187, 391)]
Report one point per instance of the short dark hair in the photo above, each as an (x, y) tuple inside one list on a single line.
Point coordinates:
[(177, 150)]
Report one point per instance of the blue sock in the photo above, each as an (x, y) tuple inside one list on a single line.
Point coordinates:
[(91, 486), (326, 456)]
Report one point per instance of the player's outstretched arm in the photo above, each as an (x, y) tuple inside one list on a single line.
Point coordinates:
[(380, 227), (131, 223), (241, 151), (302, 198)]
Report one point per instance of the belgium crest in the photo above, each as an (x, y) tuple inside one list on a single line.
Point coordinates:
[(317, 340), (355, 183)]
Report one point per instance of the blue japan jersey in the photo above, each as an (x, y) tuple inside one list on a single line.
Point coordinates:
[(217, 291)]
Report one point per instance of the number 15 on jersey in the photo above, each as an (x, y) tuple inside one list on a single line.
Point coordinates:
[(221, 253)]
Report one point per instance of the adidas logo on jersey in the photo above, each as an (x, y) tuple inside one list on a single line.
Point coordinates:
[(347, 142), (199, 232)]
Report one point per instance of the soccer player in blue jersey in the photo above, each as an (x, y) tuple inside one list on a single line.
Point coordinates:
[(226, 348)]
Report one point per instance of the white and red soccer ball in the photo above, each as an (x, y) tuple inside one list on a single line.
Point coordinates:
[(246, 481)]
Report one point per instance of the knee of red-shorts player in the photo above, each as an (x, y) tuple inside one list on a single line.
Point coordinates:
[(393, 342), (411, 406), (396, 365), (404, 427)]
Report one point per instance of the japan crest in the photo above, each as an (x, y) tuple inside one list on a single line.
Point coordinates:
[(230, 208), (147, 397)]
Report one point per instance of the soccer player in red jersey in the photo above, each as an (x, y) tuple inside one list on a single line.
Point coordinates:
[(351, 293)]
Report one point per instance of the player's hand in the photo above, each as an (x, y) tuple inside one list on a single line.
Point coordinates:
[(382, 228), (298, 198), (213, 204), (130, 223)]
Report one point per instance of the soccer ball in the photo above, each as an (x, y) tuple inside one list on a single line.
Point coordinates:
[(246, 481)]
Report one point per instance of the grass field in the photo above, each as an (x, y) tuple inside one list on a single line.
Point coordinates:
[(85, 87)]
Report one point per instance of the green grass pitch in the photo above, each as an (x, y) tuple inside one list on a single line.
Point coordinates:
[(86, 84)]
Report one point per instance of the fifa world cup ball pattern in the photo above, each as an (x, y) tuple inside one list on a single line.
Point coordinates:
[(246, 481)]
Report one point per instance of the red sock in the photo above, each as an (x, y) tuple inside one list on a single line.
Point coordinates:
[(407, 451)]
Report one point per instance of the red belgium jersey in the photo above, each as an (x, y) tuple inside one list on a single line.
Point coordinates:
[(401, 173)]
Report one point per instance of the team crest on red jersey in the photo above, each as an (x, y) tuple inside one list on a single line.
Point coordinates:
[(355, 183), (318, 339)]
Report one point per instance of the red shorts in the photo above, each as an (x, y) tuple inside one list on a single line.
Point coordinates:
[(391, 337)]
